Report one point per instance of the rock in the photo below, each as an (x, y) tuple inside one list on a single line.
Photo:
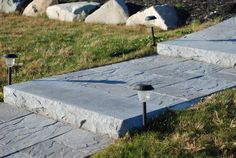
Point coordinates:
[(38, 7), (8, 6), (166, 17), (112, 12), (71, 11)]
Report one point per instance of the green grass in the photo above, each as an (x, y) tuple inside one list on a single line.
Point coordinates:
[(47, 47), (205, 130)]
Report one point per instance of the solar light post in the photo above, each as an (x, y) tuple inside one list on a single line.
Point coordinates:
[(10, 61), (143, 96), (150, 23)]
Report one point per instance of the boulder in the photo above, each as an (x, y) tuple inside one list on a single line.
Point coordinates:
[(38, 7), (8, 6), (166, 17), (112, 12), (76, 11)]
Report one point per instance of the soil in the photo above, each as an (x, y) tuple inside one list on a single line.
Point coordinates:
[(188, 10)]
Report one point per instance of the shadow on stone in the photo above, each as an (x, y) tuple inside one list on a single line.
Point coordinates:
[(87, 81), (23, 4), (216, 40), (223, 40), (134, 8)]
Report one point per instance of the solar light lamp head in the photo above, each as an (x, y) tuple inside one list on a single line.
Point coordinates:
[(144, 92), (150, 21), (10, 59)]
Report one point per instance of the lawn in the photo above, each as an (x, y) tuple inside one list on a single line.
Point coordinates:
[(205, 130), (47, 47)]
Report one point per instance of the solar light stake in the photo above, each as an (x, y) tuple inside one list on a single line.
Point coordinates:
[(9, 75), (10, 61), (153, 37), (144, 115), (144, 96), (150, 23)]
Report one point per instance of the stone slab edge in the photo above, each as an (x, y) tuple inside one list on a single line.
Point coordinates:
[(213, 57), (77, 116), (74, 115)]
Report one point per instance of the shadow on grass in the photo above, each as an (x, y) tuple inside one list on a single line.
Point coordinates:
[(122, 52), (164, 124)]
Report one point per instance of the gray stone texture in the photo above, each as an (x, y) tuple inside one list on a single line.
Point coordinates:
[(8, 6), (214, 45), (35, 136), (7, 113), (38, 7), (76, 11), (112, 12), (102, 99)]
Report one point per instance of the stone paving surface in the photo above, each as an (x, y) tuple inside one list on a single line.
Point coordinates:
[(215, 45), (24, 134), (102, 99)]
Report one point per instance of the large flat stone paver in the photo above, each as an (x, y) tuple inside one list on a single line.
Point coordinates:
[(8, 113), (212, 45), (102, 99), (36, 136)]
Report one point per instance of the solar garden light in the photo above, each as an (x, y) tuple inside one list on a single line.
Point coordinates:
[(150, 23), (10, 62), (143, 96)]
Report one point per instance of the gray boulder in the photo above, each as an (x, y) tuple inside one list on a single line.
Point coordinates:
[(38, 7), (112, 12), (166, 17), (8, 6), (76, 11)]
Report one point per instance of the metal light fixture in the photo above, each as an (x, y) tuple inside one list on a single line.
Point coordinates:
[(10, 62), (150, 23), (143, 96)]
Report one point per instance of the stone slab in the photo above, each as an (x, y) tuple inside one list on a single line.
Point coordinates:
[(102, 99), (36, 136), (8, 113), (215, 45), (27, 131)]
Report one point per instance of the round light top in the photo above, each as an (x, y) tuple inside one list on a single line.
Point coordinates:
[(143, 87), (149, 18), (12, 56)]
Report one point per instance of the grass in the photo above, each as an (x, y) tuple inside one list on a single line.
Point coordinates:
[(205, 130), (47, 47)]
